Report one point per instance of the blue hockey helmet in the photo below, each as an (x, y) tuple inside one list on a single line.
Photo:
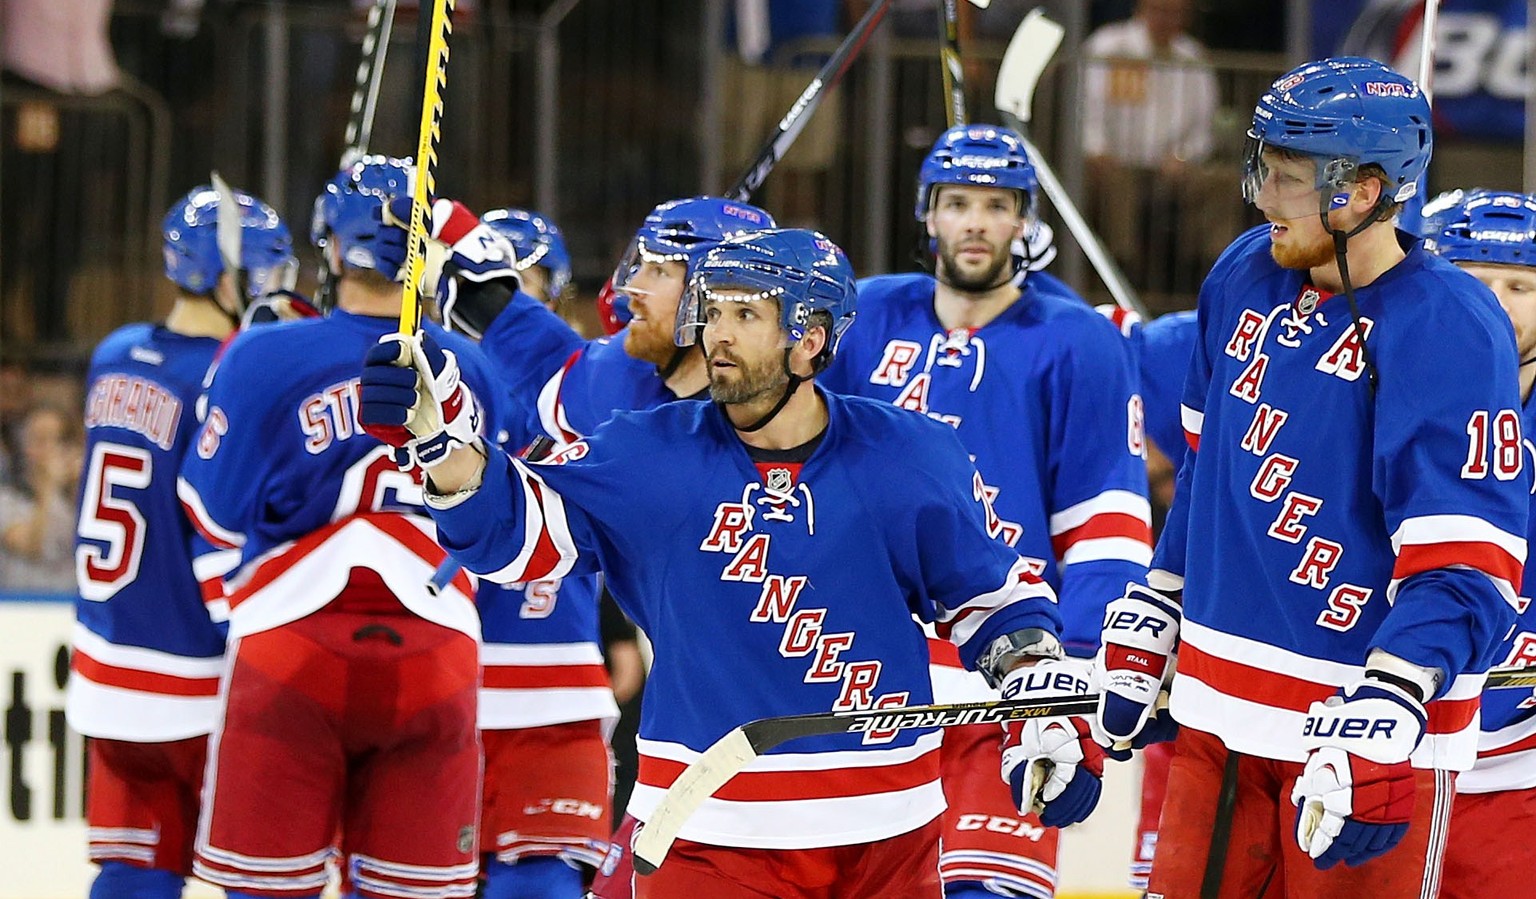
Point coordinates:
[(682, 231), (981, 156), (537, 241), (1346, 113), (804, 270), (192, 256), (349, 209), (1482, 226)]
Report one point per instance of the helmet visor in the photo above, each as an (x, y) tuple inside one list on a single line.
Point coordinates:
[(1293, 185), (724, 285)]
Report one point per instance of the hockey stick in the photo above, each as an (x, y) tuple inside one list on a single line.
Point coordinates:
[(370, 71), (1031, 48), (805, 105), (426, 158), (227, 232), (734, 751), (1511, 679), (949, 62), (365, 100)]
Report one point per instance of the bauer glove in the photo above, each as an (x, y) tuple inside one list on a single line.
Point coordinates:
[(1355, 796), (413, 400), (1134, 661), (1052, 765)]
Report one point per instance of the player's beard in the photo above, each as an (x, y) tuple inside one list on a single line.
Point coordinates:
[(1301, 253), (993, 274), (746, 382), (650, 341)]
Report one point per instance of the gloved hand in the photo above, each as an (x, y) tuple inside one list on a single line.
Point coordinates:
[(1355, 796), (413, 400), (1136, 647), (480, 275), (1052, 764)]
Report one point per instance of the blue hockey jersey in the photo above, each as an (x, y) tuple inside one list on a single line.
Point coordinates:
[(1316, 519), (770, 589), (147, 653), (284, 475), (1506, 747), (573, 385), (1044, 399), (1162, 348)]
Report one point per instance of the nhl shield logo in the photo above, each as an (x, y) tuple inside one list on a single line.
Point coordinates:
[(779, 480), (1308, 300)]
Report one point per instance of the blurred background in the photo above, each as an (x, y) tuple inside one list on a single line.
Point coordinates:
[(591, 112)]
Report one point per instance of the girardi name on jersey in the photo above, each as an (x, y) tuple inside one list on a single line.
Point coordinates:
[(739, 531)]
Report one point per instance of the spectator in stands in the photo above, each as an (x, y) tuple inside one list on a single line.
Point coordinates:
[(15, 400), (1148, 112), (1151, 93), (37, 520)]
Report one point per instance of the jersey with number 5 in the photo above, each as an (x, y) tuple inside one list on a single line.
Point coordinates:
[(147, 654)]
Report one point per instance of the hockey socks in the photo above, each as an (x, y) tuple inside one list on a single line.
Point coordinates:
[(532, 878), (120, 880)]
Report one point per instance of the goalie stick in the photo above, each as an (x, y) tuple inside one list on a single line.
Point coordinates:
[(734, 751), (1030, 50)]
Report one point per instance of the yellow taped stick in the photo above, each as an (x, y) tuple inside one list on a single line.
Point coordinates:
[(426, 159)]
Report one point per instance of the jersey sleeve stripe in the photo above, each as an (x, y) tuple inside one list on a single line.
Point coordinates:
[(1430, 529), (1117, 549), (1110, 506), (960, 625), (1192, 420), (1490, 560), (551, 406), (548, 549), (197, 513)]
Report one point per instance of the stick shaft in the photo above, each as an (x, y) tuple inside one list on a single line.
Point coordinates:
[(426, 160), (370, 72), (949, 63), (794, 121)]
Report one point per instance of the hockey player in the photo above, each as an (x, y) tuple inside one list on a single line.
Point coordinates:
[(147, 653), (766, 520), (543, 262), (576, 385), (1041, 391), (350, 694), (1346, 540), (1492, 235)]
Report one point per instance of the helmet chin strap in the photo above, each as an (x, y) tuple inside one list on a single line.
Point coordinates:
[(1341, 253), (678, 355), (790, 387)]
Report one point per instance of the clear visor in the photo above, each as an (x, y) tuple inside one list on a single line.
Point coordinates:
[(1296, 187), (264, 280), (635, 258), (727, 286)]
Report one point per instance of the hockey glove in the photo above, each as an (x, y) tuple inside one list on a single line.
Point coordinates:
[(1354, 798), (1052, 764), (413, 400), (480, 275), (1136, 647)]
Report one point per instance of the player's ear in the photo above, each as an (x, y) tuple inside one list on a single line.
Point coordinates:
[(933, 231), (810, 346)]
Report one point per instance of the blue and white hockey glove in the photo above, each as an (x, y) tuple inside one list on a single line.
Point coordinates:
[(1134, 662), (479, 277), (1355, 796), (413, 400), (1052, 765)]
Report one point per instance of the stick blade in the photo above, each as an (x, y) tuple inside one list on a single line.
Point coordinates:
[(227, 223), (981, 4), (719, 763), (1029, 52)]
